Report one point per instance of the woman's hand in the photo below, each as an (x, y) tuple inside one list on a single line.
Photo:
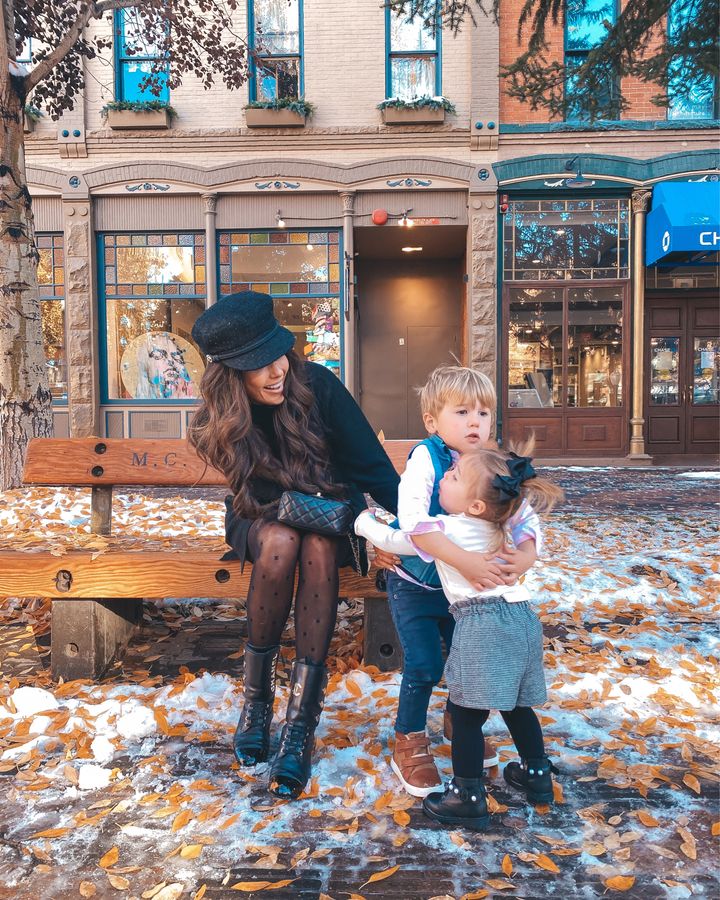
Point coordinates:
[(383, 560)]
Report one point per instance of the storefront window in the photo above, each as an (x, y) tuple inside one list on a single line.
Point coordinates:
[(558, 240), (535, 349), (51, 283), (154, 292), (664, 368), (565, 347), (706, 371), (594, 375), (302, 272)]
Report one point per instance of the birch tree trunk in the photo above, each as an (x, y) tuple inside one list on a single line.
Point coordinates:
[(25, 400)]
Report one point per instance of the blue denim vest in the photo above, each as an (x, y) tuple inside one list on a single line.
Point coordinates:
[(418, 569)]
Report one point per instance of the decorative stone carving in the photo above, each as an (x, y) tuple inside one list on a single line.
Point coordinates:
[(76, 237), (348, 202), (640, 200), (210, 203)]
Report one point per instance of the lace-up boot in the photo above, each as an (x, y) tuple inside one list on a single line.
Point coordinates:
[(252, 735), (462, 803), (534, 776), (290, 770)]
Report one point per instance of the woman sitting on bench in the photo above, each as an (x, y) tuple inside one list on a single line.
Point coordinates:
[(272, 422)]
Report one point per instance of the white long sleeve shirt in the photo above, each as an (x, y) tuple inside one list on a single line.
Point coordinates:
[(468, 532)]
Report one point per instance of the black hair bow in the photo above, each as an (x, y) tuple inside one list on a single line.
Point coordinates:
[(520, 468)]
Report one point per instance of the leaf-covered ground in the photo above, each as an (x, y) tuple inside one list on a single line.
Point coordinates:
[(128, 788)]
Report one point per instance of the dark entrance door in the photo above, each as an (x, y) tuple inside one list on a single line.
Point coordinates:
[(410, 321), (682, 384)]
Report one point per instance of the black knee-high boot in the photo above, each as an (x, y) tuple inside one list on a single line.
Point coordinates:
[(290, 770), (252, 735)]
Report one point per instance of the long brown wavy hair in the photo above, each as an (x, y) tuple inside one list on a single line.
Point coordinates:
[(223, 435)]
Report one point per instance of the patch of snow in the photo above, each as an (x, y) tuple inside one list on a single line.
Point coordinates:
[(92, 777)]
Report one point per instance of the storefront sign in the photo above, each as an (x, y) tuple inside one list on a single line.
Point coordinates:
[(421, 221), (685, 218)]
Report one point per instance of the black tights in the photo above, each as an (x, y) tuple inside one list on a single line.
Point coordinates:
[(276, 551), (467, 741)]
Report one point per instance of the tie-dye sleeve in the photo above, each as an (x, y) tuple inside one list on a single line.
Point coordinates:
[(525, 526)]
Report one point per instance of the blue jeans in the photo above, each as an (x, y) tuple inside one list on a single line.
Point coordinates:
[(423, 621)]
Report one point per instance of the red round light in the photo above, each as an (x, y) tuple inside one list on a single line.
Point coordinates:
[(379, 216)]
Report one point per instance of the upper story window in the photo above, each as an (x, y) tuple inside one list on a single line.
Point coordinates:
[(585, 29), (276, 38), (24, 54), (698, 98), (413, 65), (559, 240), (136, 58)]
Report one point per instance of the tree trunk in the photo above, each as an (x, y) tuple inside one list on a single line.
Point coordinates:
[(25, 400)]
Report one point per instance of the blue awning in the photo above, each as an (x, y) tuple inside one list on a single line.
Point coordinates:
[(685, 218)]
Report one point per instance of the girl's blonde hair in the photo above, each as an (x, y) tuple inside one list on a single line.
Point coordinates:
[(456, 385), (480, 467)]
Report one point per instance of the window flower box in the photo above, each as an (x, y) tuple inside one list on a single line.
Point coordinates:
[(420, 111), (286, 113), (122, 114), (273, 118), (31, 116)]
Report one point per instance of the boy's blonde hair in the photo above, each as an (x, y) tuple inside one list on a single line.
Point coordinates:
[(456, 385)]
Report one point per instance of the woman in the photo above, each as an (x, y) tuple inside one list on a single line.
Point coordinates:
[(272, 422)]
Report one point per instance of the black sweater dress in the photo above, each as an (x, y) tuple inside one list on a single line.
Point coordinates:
[(357, 458)]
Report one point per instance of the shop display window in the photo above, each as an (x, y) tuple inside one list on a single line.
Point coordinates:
[(413, 57), (51, 286), (301, 270), (560, 240), (664, 371), (706, 371), (594, 365), (535, 350), (565, 347), (276, 40), (154, 292)]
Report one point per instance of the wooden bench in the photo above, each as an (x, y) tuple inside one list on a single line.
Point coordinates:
[(97, 596)]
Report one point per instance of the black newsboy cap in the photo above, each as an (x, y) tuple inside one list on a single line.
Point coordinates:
[(241, 332)]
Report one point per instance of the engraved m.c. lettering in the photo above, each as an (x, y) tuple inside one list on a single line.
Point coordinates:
[(138, 460), (170, 459)]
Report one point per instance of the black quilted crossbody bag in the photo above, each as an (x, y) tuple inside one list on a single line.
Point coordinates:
[(313, 512)]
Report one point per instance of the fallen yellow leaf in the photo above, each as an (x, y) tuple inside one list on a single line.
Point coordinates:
[(192, 851), (647, 819), (181, 820), (87, 889), (507, 865), (619, 882), (380, 876), (692, 782), (118, 882), (544, 862), (401, 817), (110, 858)]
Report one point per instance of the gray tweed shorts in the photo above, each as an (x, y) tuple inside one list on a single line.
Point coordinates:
[(495, 661)]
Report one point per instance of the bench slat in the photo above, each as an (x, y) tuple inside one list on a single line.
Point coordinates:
[(107, 461), (138, 574)]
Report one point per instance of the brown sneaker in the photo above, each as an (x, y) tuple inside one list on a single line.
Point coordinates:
[(413, 764), (490, 757)]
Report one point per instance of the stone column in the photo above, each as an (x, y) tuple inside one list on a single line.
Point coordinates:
[(640, 204), (348, 311), (482, 287), (211, 274), (81, 318)]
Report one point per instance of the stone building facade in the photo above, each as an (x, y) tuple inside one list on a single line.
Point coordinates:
[(219, 201)]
